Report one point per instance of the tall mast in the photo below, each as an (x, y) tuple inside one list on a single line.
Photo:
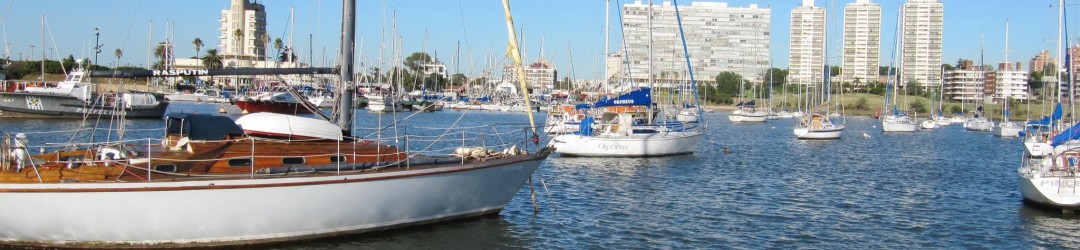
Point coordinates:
[(43, 47), (1060, 56), (650, 16), (607, 35), (345, 98)]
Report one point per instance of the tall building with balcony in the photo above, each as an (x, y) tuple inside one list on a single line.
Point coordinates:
[(806, 60), (719, 38), (862, 41), (243, 31), (921, 42)]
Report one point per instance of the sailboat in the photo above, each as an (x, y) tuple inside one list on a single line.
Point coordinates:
[(894, 120), (625, 125), (935, 121), (979, 122), (817, 125), (1007, 128), (212, 181), (1048, 173)]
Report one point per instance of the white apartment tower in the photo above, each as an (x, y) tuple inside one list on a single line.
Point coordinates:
[(720, 38), (862, 41), (921, 42), (806, 61), (243, 32)]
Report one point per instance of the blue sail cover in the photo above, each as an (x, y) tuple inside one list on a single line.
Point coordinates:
[(1048, 120), (640, 97), (749, 104), (1072, 133)]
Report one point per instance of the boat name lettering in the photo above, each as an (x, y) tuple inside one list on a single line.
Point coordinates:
[(623, 101), (95, 111), (181, 72), (612, 147), (1056, 183), (9, 99)]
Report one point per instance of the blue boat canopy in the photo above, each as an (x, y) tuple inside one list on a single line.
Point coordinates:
[(1072, 133), (639, 97)]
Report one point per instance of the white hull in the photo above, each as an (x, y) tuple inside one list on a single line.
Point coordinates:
[(657, 144), (820, 134), (748, 118), (898, 125), (225, 212), (1061, 192), (682, 117), (928, 124), (378, 103), (979, 125), (1007, 131)]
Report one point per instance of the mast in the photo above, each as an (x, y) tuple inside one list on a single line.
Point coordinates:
[(607, 35), (346, 87), (1061, 65), (515, 54), (650, 17), (42, 47)]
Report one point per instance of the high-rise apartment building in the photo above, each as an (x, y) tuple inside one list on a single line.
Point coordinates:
[(806, 60), (243, 31), (719, 38), (1010, 82), (862, 41), (921, 43), (965, 83)]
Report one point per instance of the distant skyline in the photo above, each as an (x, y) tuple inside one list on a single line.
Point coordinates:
[(563, 25)]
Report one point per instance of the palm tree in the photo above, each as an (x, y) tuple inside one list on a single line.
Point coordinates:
[(118, 54), (239, 35), (212, 59), (198, 46), (160, 52), (278, 46)]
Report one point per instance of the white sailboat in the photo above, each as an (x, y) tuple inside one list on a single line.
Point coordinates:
[(818, 125), (894, 120), (625, 125), (1007, 128), (1048, 174)]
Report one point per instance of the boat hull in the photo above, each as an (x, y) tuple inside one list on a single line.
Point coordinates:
[(27, 105), (1007, 131), (255, 211), (748, 118), (818, 134), (659, 144), (898, 127), (1058, 192)]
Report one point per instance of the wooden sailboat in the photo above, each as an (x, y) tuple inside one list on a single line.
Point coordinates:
[(212, 181)]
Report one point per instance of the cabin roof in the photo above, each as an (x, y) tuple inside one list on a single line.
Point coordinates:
[(202, 126)]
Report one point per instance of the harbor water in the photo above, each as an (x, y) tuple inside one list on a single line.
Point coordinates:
[(947, 188)]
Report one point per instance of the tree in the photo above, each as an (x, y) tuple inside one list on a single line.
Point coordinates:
[(278, 45), (834, 70), (239, 35), (417, 60), (212, 59), (458, 79), (956, 109), (861, 104), (198, 46), (918, 106), (947, 67), (884, 70), (779, 76), (118, 54)]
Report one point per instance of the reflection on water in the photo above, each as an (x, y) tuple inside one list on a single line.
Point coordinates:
[(947, 188)]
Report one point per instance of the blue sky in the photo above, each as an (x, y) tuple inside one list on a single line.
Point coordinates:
[(565, 26)]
